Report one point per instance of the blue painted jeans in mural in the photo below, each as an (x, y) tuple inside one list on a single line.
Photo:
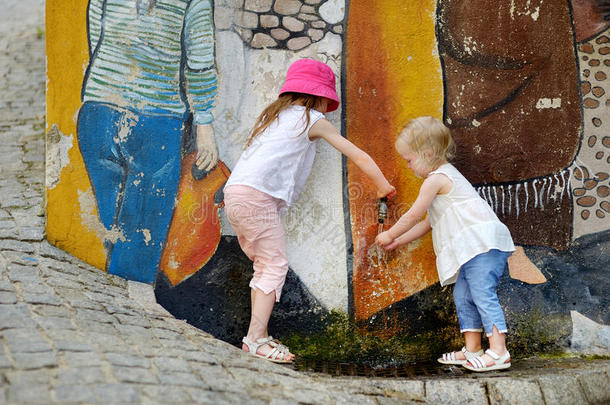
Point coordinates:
[(133, 162), (475, 295)]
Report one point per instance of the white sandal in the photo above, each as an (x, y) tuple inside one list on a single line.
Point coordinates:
[(277, 354), (449, 358), (500, 362)]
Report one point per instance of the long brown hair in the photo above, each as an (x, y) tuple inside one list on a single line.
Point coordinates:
[(274, 109)]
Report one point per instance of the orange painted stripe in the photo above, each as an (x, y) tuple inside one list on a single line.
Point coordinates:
[(393, 75)]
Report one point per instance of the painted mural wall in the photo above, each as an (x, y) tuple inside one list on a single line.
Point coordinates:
[(140, 91)]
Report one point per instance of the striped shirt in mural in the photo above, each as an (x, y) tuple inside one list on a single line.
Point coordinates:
[(154, 56)]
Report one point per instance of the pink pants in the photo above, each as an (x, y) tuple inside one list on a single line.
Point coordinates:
[(255, 218)]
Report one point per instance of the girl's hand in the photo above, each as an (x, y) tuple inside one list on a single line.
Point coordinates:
[(393, 245), (387, 192), (383, 239)]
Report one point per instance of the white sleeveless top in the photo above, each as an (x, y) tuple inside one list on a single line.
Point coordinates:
[(463, 226), (279, 160)]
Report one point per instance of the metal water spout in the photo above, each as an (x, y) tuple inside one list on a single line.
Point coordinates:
[(382, 212)]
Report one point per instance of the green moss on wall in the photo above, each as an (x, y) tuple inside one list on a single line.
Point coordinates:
[(341, 341), (533, 333), (536, 332)]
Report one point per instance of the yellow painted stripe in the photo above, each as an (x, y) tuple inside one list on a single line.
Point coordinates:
[(393, 75), (71, 212)]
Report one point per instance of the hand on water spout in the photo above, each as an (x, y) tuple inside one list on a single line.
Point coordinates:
[(388, 192)]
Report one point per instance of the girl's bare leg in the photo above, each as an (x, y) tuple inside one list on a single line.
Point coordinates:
[(472, 342), (252, 301), (262, 305), (497, 343)]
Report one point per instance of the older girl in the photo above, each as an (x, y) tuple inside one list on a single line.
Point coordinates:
[(269, 176)]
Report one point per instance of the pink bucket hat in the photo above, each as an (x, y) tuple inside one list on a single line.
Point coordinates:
[(310, 76)]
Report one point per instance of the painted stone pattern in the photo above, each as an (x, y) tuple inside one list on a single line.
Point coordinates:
[(398, 60), (590, 182), (287, 24)]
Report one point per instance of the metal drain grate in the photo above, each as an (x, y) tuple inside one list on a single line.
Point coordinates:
[(416, 369)]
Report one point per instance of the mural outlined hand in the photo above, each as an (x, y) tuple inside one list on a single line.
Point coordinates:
[(207, 152)]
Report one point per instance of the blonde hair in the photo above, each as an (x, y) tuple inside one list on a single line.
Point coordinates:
[(423, 134), (274, 109)]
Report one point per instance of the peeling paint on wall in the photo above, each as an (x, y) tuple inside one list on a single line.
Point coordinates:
[(90, 219), (548, 103), (57, 157)]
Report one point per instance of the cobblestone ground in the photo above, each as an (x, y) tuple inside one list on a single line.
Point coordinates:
[(70, 333)]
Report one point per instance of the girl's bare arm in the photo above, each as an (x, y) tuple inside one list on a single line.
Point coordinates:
[(419, 230), (325, 130), (428, 191)]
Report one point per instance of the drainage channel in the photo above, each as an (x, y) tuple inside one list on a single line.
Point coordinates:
[(416, 369)]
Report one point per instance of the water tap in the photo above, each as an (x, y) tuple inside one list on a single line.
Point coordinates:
[(382, 210)]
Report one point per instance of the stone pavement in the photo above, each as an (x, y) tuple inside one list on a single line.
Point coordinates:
[(70, 333)]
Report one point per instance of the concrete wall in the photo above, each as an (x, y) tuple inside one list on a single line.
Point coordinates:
[(521, 84)]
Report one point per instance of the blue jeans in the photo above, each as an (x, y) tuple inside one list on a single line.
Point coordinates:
[(475, 295), (133, 162)]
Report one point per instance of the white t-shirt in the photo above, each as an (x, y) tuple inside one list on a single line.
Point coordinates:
[(463, 226), (279, 160)]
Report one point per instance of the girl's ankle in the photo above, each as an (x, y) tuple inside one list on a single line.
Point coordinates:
[(255, 337)]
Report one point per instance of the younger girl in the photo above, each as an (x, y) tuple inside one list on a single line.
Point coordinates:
[(471, 245), (269, 176)]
